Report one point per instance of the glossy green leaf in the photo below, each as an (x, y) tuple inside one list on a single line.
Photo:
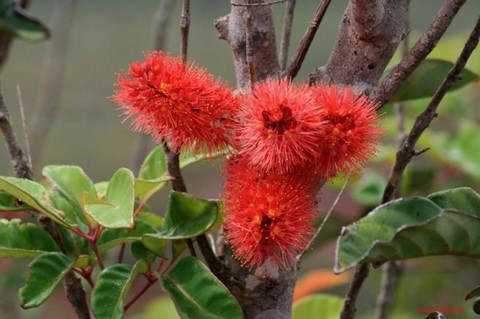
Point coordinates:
[(425, 80), (112, 287), (318, 305), (158, 246), (197, 293), (154, 172), (190, 157), (144, 188), (9, 203), (114, 237), (187, 217), (24, 240), (16, 21), (34, 195), (72, 182), (150, 218), (154, 166), (368, 190), (141, 252), (445, 223), (117, 209), (46, 271)]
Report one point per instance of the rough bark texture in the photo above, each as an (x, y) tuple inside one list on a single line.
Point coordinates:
[(233, 28), (370, 32)]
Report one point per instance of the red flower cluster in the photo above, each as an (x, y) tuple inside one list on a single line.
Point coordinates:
[(268, 217), (174, 102), (279, 126), (350, 130), (286, 137)]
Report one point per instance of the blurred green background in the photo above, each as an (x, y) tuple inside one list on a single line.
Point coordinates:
[(107, 35)]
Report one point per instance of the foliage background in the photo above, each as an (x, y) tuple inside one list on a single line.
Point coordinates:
[(107, 35)]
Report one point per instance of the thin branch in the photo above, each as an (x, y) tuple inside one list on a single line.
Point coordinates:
[(299, 56), (286, 33), (267, 3), (18, 160), (406, 153), (391, 273), (24, 124), (390, 84), (324, 221), (184, 28), (349, 306)]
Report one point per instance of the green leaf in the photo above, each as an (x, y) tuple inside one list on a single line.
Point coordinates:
[(34, 195), (141, 252), (114, 237), (9, 203), (368, 190), (329, 306), (117, 209), (154, 172), (24, 240), (144, 189), (425, 80), (16, 21), (112, 287), (46, 271), (158, 246), (72, 182), (197, 293), (444, 223), (154, 166), (187, 217)]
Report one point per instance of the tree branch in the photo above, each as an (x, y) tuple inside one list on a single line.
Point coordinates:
[(299, 56), (407, 152), (369, 34), (390, 84), (349, 306), (233, 29), (286, 33)]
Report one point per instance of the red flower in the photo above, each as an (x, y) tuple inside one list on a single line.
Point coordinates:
[(268, 217), (351, 130), (172, 101), (279, 126)]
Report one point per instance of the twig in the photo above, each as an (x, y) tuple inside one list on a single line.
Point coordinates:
[(324, 221), (184, 28), (18, 160), (24, 124), (390, 84), (249, 49), (267, 3), (73, 286), (391, 273), (297, 60), (405, 154), (286, 33), (349, 307)]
